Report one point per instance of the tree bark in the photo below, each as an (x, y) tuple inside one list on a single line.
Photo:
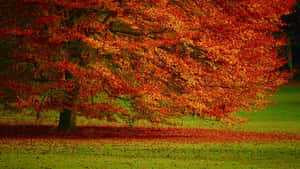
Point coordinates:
[(67, 121), (67, 118)]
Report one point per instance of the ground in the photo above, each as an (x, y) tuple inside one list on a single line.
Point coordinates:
[(271, 139)]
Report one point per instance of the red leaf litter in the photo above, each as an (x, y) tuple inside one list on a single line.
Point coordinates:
[(182, 135)]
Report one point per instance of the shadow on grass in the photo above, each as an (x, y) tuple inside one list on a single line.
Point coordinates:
[(141, 134)]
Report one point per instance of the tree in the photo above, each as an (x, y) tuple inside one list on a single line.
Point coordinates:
[(165, 58)]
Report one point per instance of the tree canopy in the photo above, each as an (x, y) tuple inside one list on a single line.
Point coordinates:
[(165, 58)]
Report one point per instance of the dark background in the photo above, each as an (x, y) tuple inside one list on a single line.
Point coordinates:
[(292, 30)]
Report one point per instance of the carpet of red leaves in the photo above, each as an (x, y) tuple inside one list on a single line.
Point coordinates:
[(184, 135)]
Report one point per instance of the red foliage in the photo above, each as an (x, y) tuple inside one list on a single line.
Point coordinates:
[(166, 58)]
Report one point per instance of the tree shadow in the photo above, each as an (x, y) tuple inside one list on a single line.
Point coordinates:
[(45, 131), (140, 133)]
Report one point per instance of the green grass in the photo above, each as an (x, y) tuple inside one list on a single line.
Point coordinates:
[(283, 116), (91, 154)]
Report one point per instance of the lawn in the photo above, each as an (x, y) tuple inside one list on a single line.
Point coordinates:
[(98, 154), (113, 153)]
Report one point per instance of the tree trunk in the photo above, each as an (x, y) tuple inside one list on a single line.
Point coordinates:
[(67, 121), (67, 118)]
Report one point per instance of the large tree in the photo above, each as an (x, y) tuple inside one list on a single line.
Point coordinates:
[(166, 58)]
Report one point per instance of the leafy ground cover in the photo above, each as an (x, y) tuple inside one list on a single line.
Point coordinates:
[(208, 145), (183, 135)]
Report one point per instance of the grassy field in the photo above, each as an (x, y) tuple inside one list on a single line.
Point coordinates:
[(94, 154), (97, 153)]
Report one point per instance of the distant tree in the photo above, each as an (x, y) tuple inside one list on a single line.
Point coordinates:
[(166, 58)]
